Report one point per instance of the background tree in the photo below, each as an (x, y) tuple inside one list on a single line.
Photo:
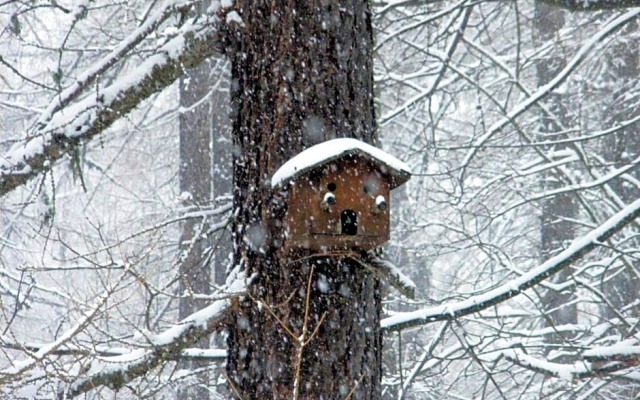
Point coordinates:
[(204, 174), (557, 212)]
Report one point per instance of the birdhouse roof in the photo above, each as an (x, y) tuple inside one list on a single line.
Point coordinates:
[(331, 150)]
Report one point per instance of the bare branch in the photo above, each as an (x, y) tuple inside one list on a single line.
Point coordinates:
[(578, 249), (170, 345)]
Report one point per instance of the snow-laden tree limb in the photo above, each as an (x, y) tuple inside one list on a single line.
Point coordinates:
[(576, 251), (392, 274), (105, 351), (578, 370), (115, 371), (76, 89), (592, 5), (170, 345), (66, 124), (545, 90), (627, 351)]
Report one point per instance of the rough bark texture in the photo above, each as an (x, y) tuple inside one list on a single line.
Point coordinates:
[(301, 74)]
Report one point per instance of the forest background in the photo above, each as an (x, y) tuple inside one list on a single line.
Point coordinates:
[(520, 121)]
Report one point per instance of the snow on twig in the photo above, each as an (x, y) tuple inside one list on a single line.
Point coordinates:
[(73, 91), (34, 358), (68, 123), (583, 368), (504, 292), (170, 345), (543, 91)]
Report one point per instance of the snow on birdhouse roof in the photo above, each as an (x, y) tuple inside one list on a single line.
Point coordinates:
[(331, 150)]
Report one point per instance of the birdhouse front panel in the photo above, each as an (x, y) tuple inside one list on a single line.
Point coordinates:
[(344, 205)]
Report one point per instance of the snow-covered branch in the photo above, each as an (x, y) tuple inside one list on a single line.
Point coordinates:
[(171, 345), (67, 124), (19, 367), (105, 351), (89, 76), (545, 90), (576, 251), (392, 274), (578, 370), (627, 352), (594, 5), (116, 371)]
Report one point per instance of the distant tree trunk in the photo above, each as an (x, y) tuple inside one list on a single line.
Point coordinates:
[(556, 228), (205, 173), (195, 185), (302, 73), (620, 149), (222, 157)]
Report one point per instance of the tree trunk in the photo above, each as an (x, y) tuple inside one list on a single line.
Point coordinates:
[(302, 73), (205, 173), (221, 153), (620, 149), (556, 228), (195, 186)]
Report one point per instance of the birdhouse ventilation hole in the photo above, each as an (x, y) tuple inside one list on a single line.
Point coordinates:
[(349, 220)]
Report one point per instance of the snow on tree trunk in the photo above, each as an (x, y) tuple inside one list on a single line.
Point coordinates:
[(301, 74)]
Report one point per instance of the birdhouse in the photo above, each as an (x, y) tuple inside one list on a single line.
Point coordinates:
[(338, 196)]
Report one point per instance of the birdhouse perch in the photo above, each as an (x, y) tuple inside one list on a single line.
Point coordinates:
[(338, 196)]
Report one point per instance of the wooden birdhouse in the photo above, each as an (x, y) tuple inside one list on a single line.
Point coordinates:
[(338, 196)]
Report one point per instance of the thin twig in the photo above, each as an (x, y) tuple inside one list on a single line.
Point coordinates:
[(302, 339), (233, 387), (315, 331), (284, 326), (353, 389)]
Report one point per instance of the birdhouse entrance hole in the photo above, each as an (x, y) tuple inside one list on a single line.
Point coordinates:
[(349, 220)]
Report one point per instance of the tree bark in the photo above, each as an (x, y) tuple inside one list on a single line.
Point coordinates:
[(301, 74)]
